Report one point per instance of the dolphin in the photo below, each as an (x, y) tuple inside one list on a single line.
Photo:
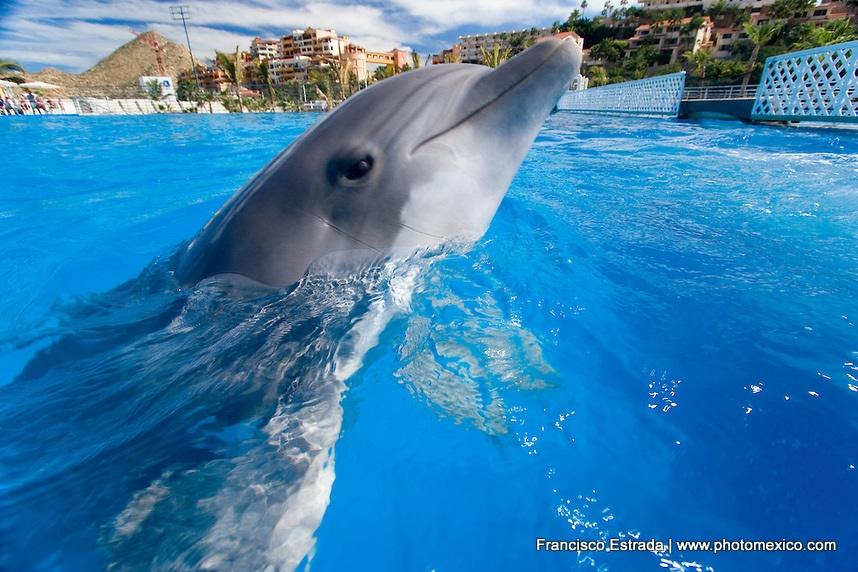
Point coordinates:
[(179, 430), (419, 159)]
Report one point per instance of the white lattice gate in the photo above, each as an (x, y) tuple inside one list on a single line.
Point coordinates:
[(660, 95), (812, 85)]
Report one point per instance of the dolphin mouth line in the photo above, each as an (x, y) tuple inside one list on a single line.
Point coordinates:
[(423, 232), (491, 101)]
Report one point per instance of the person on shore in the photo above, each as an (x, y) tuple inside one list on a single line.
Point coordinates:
[(23, 105), (31, 101), (12, 108), (40, 105)]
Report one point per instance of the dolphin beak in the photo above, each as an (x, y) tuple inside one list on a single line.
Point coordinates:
[(546, 69), (524, 90)]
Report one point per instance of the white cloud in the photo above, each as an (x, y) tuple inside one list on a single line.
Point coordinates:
[(75, 34), (446, 14)]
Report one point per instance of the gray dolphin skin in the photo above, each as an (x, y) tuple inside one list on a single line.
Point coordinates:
[(416, 160)]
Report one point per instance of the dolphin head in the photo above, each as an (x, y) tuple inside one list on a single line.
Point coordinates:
[(418, 159)]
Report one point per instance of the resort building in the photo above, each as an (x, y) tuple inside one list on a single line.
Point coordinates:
[(356, 57), (516, 40), (313, 42), (672, 38), (294, 55), (211, 78), (725, 40), (702, 4), (469, 50), (264, 49), (450, 55), (395, 57), (283, 70)]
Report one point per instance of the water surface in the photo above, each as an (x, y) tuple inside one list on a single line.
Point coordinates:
[(655, 338)]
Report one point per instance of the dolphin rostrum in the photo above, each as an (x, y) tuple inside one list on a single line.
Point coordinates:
[(418, 159)]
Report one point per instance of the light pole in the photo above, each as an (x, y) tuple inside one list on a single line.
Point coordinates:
[(183, 13)]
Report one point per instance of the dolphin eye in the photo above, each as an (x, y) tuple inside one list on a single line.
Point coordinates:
[(359, 169)]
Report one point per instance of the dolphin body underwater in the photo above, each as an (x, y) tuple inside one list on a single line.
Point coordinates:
[(179, 423)]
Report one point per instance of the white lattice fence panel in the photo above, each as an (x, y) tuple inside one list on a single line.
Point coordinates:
[(812, 85), (660, 95)]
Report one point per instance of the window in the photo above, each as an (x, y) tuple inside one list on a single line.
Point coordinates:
[(818, 13), (727, 36)]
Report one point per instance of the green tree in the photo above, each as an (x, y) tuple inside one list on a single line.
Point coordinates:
[(153, 90), (384, 72), (786, 9), (674, 16), (322, 80), (10, 69), (208, 97), (597, 76), (693, 25), (187, 90), (233, 67), (725, 71), (701, 60), (609, 50), (415, 60), (760, 35), (262, 70), (496, 57), (807, 35)]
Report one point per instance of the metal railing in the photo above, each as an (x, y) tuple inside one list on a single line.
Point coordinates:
[(820, 84), (720, 92), (659, 96)]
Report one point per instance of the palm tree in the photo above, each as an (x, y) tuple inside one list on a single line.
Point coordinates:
[(834, 32), (609, 50), (496, 57), (701, 59), (598, 76), (206, 96), (760, 35), (232, 67), (263, 74), (383, 72), (453, 57), (415, 60), (10, 68), (321, 80)]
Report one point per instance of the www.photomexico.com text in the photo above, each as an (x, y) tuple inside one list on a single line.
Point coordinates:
[(671, 545)]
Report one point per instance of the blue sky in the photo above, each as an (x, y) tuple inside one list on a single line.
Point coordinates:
[(74, 34)]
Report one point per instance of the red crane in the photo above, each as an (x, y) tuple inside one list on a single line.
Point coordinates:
[(151, 40)]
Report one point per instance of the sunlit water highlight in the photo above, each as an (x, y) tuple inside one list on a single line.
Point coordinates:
[(655, 338)]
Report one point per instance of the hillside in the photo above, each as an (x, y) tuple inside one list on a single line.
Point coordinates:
[(124, 66)]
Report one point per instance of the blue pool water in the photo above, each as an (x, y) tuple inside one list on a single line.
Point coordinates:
[(655, 339)]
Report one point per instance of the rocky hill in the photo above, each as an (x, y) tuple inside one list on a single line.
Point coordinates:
[(123, 67)]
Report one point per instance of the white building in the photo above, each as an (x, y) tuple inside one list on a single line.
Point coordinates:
[(472, 46), (668, 4), (261, 49), (285, 69), (168, 89)]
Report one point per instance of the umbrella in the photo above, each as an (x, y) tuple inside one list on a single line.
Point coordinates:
[(39, 85)]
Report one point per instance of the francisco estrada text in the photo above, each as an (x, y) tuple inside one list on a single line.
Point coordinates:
[(669, 545)]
